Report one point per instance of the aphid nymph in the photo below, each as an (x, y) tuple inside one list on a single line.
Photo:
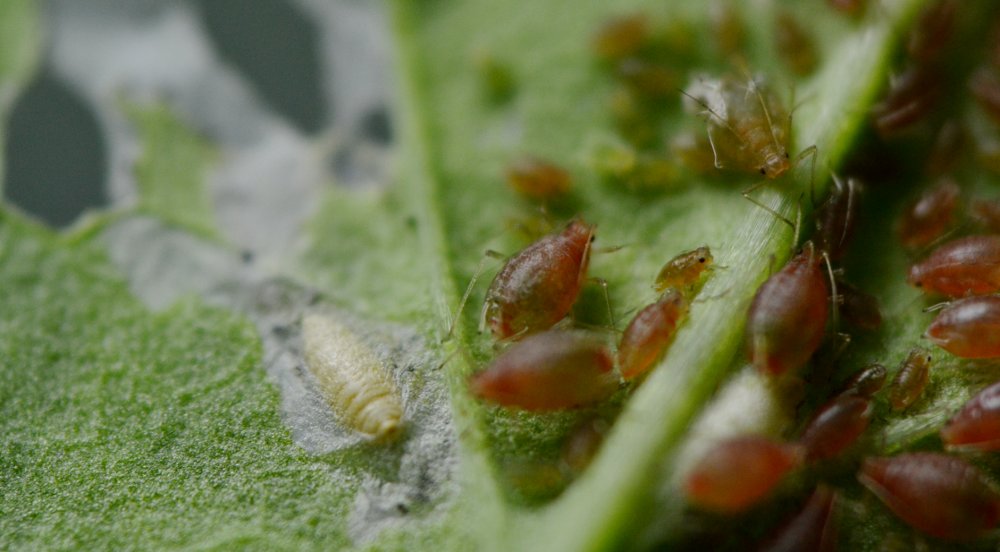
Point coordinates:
[(351, 378)]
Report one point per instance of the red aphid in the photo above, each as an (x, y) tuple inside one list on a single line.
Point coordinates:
[(931, 215), (814, 529), (837, 217), (740, 472), (787, 318), (977, 425), (940, 495), (858, 308), (537, 287), (582, 444), (836, 426), (966, 266), (650, 333), (911, 97), (968, 328), (867, 381), (537, 179), (910, 380), (552, 370)]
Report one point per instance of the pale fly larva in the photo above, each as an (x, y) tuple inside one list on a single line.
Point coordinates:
[(351, 378)]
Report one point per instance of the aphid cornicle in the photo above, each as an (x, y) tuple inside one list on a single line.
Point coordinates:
[(537, 179), (740, 472), (537, 287), (966, 266), (910, 380), (553, 370), (836, 426), (787, 318), (977, 425), (940, 495), (684, 271), (931, 215), (813, 529), (968, 328), (650, 333), (351, 378)]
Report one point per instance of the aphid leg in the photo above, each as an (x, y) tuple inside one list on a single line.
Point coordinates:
[(937, 307), (746, 194), (607, 299), (715, 153), (488, 254), (811, 153), (834, 296), (611, 248)]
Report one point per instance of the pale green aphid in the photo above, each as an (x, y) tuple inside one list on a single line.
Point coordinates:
[(352, 379)]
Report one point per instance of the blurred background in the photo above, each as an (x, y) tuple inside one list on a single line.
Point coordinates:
[(291, 94)]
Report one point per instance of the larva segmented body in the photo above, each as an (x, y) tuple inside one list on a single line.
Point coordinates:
[(351, 378)]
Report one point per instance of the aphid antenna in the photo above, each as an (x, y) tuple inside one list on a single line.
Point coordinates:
[(834, 295), (721, 119), (607, 299), (936, 307), (488, 254)]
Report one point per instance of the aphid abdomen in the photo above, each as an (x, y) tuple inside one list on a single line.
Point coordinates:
[(867, 381), (351, 378), (649, 334), (910, 380), (836, 426), (931, 215), (977, 425), (739, 473), (969, 265), (549, 371), (538, 286), (940, 495), (968, 328), (787, 318), (814, 529)]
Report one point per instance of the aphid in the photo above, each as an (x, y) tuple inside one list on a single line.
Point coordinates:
[(911, 96), (867, 381), (940, 495), (621, 37), (910, 380), (969, 265), (740, 472), (793, 44), (553, 370), (985, 87), (650, 80), (582, 444), (650, 333), (986, 212), (836, 218), (496, 78), (728, 27), (933, 32), (977, 425), (351, 378), (537, 179), (814, 529), (684, 271), (931, 215), (836, 426), (537, 287), (748, 129), (950, 143), (858, 308), (787, 318), (968, 328), (850, 7)]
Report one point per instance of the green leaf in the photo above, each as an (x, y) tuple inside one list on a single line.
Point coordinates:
[(126, 426)]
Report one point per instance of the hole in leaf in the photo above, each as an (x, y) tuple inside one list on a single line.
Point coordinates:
[(55, 155), (274, 46)]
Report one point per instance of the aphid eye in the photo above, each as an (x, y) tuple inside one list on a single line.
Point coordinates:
[(592, 238), (701, 259), (762, 171), (786, 155)]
